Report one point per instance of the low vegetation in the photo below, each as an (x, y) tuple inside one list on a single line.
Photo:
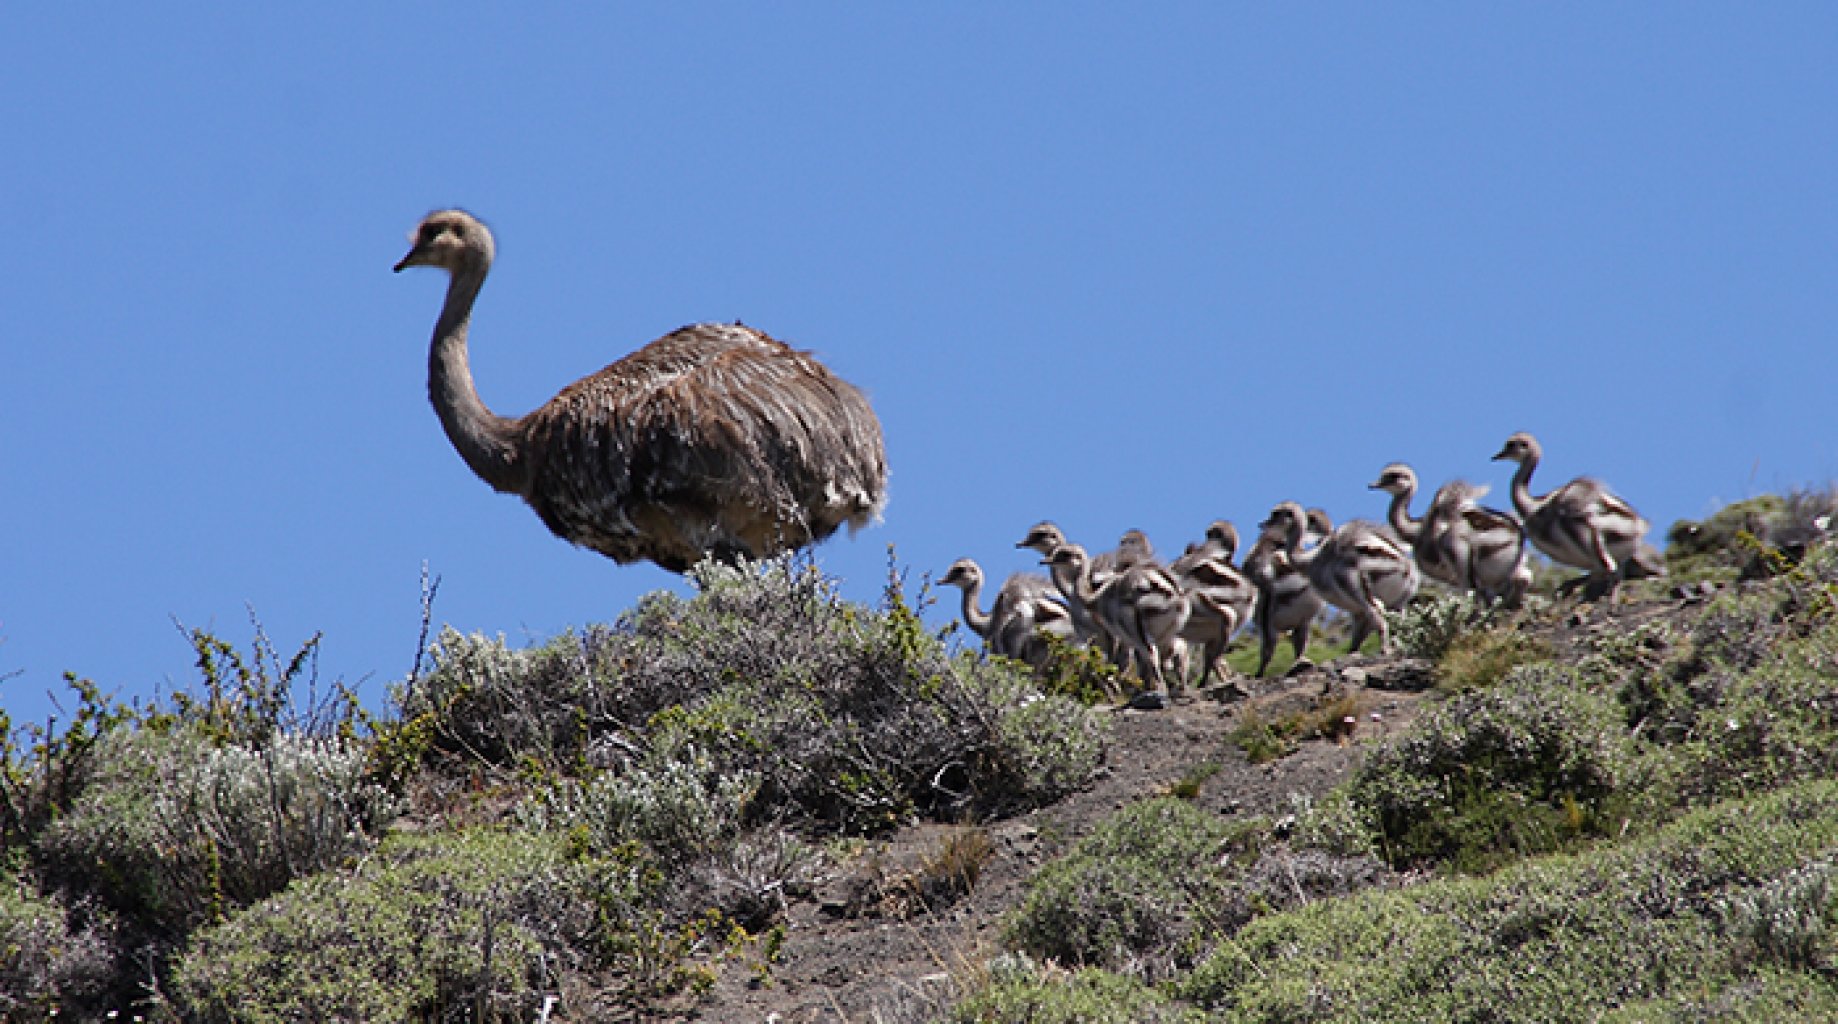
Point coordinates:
[(1629, 819), (1673, 919), (605, 820)]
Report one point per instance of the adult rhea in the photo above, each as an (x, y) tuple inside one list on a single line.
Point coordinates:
[(713, 440)]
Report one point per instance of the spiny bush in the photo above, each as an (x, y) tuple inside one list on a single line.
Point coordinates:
[(846, 717), (684, 821), (1427, 626), (1125, 897), (1510, 771), (477, 927), (1662, 921), (248, 699), (53, 960), (43, 768), (149, 820), (174, 830)]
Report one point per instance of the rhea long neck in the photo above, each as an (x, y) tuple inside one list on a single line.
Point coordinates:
[(1400, 518), (487, 441), (1522, 486), (1292, 546), (975, 618), (1084, 588)]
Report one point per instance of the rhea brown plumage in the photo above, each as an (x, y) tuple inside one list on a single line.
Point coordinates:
[(715, 439)]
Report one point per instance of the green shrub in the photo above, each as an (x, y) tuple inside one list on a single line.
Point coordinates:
[(1332, 823), (674, 809), (1512, 771), (1740, 700), (1764, 997), (1017, 990), (478, 927), (1660, 921), (1697, 549), (1126, 896), (1155, 885), (1427, 626), (1760, 537), (1079, 671), (1791, 920), (1260, 739), (1740, 628), (174, 830), (848, 718), (52, 961), (44, 768), (1042, 748), (684, 821)]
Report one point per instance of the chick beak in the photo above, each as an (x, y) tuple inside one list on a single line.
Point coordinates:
[(412, 259)]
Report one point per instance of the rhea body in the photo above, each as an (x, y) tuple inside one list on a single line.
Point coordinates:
[(1133, 549), (1141, 604), (713, 440), (1220, 598), (1438, 562), (1287, 603), (1024, 607), (1485, 546), (1357, 568), (1458, 541), (1581, 524)]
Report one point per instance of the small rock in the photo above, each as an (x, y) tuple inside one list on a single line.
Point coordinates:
[(1148, 700)]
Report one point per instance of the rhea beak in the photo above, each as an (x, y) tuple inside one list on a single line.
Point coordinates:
[(412, 259)]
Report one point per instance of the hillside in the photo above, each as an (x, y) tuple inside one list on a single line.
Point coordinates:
[(768, 804)]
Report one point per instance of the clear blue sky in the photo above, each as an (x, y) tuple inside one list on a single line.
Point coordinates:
[(1117, 265)]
